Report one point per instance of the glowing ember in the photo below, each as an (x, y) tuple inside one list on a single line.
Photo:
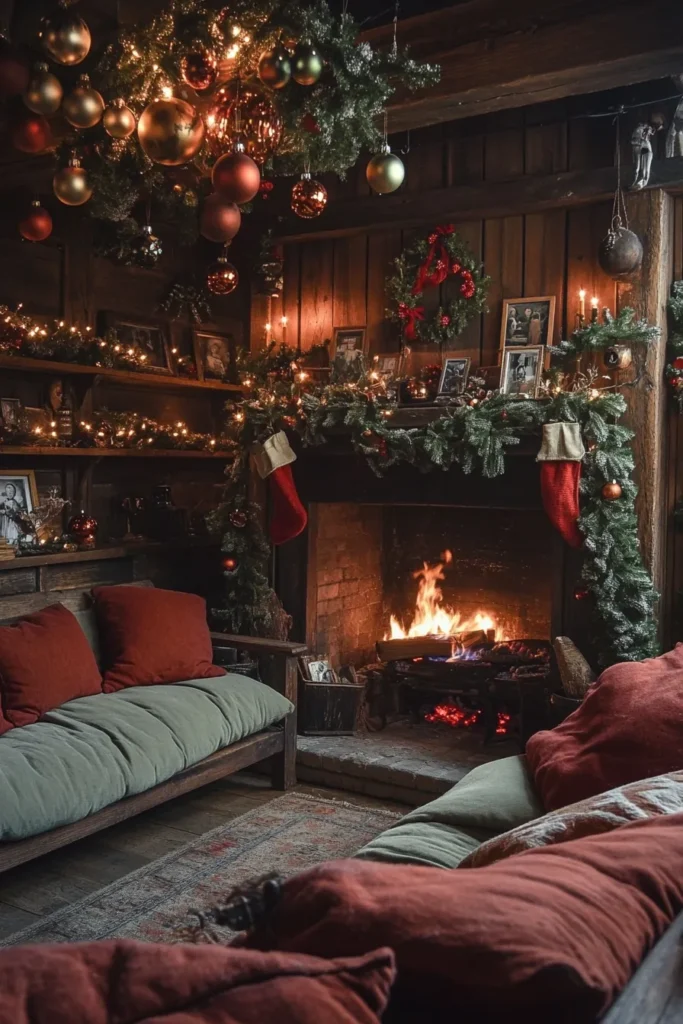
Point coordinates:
[(459, 718), (432, 618)]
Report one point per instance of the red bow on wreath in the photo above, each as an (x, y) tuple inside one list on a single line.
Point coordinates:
[(436, 266), (411, 314)]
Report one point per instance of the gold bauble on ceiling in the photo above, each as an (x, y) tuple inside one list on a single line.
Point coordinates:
[(71, 185), (250, 108), (44, 92), (170, 131), (66, 37), (83, 106), (119, 120)]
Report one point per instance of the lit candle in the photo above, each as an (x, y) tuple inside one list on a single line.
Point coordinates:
[(582, 303), (594, 310)]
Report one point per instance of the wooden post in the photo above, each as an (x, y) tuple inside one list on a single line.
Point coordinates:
[(286, 681), (651, 217)]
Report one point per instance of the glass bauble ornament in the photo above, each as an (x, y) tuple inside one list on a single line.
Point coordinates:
[(31, 133), (82, 527), (238, 519), (170, 132), (307, 64), (14, 72), (148, 248), (612, 491), (222, 278), (275, 68), (621, 252), (309, 198), (37, 225), (260, 126), (199, 68), (385, 172), (83, 106), (44, 93), (220, 219), (119, 120), (236, 176), (66, 37), (71, 184)]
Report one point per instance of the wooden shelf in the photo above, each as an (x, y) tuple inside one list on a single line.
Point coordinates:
[(107, 553), (98, 453), (126, 377)]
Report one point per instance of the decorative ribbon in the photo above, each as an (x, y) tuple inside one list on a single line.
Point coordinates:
[(436, 266), (411, 314)]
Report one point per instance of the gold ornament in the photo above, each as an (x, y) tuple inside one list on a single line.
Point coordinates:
[(260, 126), (44, 92), (71, 185), (222, 278), (385, 172), (66, 38), (83, 107), (307, 65), (199, 68), (309, 197), (119, 120), (170, 132), (275, 68), (612, 492)]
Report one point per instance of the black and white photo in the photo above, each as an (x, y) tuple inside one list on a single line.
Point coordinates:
[(18, 495), (149, 336), (214, 355), (10, 412), (454, 377), (528, 321), (521, 371), (349, 343)]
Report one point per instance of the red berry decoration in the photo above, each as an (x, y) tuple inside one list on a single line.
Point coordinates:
[(220, 219), (678, 363), (229, 564), (265, 189), (581, 593), (31, 133), (37, 225), (612, 492), (237, 177), (445, 321)]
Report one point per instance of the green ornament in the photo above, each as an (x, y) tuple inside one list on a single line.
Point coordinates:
[(385, 172), (275, 68), (308, 64)]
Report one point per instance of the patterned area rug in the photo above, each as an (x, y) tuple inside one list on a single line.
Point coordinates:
[(155, 903)]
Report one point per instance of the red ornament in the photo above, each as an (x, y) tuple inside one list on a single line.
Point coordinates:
[(581, 593), (433, 238), (238, 519), (678, 363), (265, 188), (199, 68), (612, 491), (220, 219), (309, 197), (456, 268), (310, 125), (31, 134), (445, 321), (222, 278), (37, 225), (237, 177), (14, 71), (82, 528), (229, 564)]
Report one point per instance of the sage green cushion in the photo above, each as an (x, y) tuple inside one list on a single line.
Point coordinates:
[(96, 750), (490, 800)]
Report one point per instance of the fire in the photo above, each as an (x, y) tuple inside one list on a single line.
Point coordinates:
[(432, 617)]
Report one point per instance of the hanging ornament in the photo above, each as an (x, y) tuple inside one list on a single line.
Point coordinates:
[(621, 251), (14, 71), (236, 176), (238, 519), (581, 592), (44, 92), (385, 172), (31, 133), (148, 248), (199, 68), (83, 107), (222, 278), (309, 197), (248, 106), (307, 64), (275, 68), (170, 132), (82, 528), (71, 184), (612, 492), (37, 225), (230, 564), (220, 219), (66, 37), (119, 120)]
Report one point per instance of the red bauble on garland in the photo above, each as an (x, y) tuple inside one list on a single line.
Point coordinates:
[(220, 220), (31, 133), (37, 225), (237, 177)]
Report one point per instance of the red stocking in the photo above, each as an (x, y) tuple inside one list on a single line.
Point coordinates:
[(560, 491), (289, 517)]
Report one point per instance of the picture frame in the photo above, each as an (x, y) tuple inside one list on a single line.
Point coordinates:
[(349, 342), (528, 321), (10, 412), (388, 365), (18, 492), (215, 355), (521, 370), (152, 336), (456, 370), (35, 419)]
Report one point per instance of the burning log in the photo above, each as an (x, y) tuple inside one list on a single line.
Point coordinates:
[(406, 648)]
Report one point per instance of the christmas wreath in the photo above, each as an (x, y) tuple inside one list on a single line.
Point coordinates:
[(428, 264)]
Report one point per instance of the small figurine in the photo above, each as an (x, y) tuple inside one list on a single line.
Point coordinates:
[(642, 153), (674, 136)]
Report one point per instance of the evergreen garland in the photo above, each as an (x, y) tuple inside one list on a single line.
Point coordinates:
[(623, 329), (674, 368)]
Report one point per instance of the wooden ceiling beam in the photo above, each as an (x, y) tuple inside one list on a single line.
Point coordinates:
[(495, 55)]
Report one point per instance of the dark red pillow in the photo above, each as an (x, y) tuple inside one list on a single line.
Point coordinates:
[(103, 982), (548, 935), (152, 636), (45, 660), (629, 727)]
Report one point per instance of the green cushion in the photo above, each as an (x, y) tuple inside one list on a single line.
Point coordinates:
[(87, 620), (94, 751), (490, 800)]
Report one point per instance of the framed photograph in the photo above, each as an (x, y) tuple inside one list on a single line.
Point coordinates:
[(214, 355), (454, 377), (317, 668), (36, 420), (10, 412), (521, 371), (528, 321), (388, 366), (151, 336), (18, 493), (349, 343)]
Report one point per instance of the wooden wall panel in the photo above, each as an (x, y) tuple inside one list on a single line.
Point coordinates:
[(382, 251), (317, 292), (350, 306)]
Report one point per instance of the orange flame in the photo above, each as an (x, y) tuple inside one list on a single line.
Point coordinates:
[(432, 617)]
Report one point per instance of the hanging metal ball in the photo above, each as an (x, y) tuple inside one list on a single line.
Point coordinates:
[(220, 219), (37, 225), (149, 248), (44, 92), (251, 108), (236, 176), (309, 198), (612, 492), (83, 107), (620, 253), (275, 68), (66, 37), (119, 120), (222, 278), (71, 184), (307, 64), (385, 172), (171, 132), (199, 68)]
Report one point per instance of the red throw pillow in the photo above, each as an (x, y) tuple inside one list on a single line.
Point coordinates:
[(152, 636), (548, 935), (99, 982), (629, 727), (45, 660)]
